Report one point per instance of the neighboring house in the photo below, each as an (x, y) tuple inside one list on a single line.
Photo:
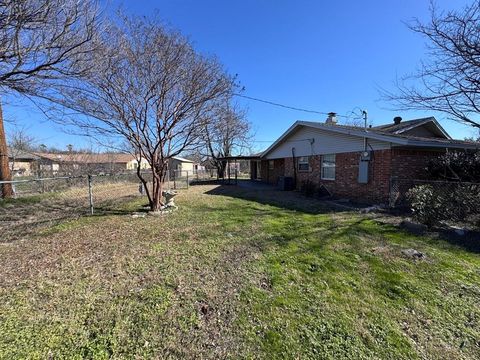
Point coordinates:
[(354, 162), (84, 163), (198, 168), (22, 163), (179, 166)]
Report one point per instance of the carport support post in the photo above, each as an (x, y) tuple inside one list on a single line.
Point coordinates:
[(90, 193), (228, 170)]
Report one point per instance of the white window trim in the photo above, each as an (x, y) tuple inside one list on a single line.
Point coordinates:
[(322, 166), (303, 162)]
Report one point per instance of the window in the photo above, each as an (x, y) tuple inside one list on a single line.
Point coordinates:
[(303, 164), (328, 167), (271, 165)]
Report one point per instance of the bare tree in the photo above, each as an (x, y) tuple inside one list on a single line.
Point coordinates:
[(229, 132), (41, 42), (449, 81), (148, 88), (19, 142)]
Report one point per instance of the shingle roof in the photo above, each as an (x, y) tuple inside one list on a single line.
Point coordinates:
[(396, 129), (393, 128), (384, 133), (21, 155), (88, 158)]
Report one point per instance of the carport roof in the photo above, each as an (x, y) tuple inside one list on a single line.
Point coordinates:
[(241, 157)]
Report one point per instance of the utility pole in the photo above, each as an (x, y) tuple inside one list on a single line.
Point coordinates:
[(6, 189)]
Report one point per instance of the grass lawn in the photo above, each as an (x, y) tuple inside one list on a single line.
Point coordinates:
[(236, 273)]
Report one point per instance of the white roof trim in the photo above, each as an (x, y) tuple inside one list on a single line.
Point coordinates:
[(369, 135), (181, 159)]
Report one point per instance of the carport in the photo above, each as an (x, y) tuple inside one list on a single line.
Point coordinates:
[(232, 174)]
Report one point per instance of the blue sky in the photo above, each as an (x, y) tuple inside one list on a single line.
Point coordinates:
[(321, 55)]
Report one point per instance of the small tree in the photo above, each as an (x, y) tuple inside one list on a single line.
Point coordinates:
[(456, 165), (449, 80), (148, 88), (19, 142), (41, 42), (228, 132)]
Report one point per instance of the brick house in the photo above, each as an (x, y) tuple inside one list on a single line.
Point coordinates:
[(353, 162), (50, 164)]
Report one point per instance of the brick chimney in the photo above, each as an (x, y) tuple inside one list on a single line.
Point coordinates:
[(397, 120), (331, 119)]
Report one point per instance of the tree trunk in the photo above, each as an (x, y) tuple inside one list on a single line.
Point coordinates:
[(221, 167), (157, 188), (7, 191)]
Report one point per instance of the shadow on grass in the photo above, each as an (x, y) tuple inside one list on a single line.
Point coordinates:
[(268, 195), (469, 241), (294, 201), (441, 236)]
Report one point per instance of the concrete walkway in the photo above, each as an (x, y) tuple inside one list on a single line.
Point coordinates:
[(255, 185)]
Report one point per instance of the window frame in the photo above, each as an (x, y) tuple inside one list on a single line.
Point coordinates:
[(271, 164), (325, 165), (303, 162)]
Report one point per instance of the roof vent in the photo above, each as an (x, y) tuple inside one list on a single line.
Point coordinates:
[(397, 120), (332, 118)]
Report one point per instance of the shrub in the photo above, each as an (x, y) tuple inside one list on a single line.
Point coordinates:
[(445, 201), (425, 203), (457, 165)]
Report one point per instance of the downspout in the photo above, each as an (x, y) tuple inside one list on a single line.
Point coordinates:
[(294, 169)]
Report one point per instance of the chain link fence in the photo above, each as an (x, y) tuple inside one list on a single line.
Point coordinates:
[(458, 201), (182, 179), (40, 203), (43, 202)]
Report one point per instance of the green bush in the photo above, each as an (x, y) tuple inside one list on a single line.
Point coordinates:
[(425, 203), (431, 204)]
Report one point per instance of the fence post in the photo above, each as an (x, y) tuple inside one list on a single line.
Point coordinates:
[(90, 193), (392, 192)]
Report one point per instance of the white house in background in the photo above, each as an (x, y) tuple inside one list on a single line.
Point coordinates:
[(180, 166)]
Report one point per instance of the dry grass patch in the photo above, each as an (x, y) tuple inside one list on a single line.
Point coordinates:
[(236, 273)]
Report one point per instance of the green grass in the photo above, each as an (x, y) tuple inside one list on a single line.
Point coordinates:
[(27, 200), (227, 276)]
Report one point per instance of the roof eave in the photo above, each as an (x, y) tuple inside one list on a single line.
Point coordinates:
[(369, 135), (280, 139), (430, 144)]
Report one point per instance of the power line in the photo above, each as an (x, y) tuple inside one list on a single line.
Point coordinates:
[(289, 107)]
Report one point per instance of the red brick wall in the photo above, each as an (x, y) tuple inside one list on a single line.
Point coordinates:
[(271, 175), (384, 164), (411, 163), (346, 176)]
